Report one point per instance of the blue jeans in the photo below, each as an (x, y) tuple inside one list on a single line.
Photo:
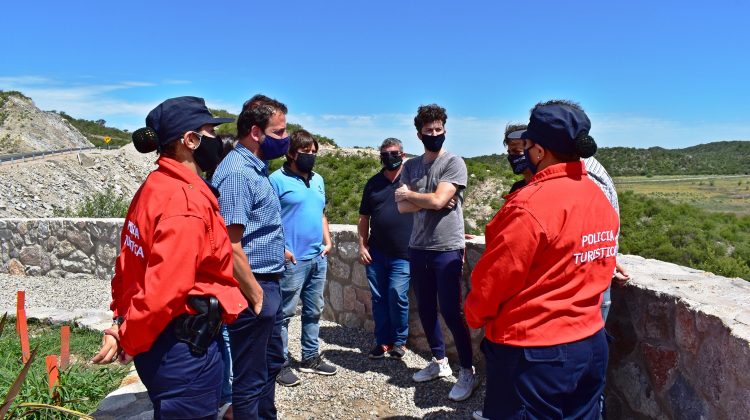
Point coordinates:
[(389, 283), (304, 280), (553, 382), (226, 356), (606, 302), (436, 276), (179, 383), (257, 356)]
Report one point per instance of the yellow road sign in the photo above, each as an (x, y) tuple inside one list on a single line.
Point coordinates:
[(107, 139)]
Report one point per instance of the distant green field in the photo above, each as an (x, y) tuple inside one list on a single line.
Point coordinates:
[(719, 193)]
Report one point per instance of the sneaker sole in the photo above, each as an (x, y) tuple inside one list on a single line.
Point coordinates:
[(308, 370), (289, 384), (431, 379)]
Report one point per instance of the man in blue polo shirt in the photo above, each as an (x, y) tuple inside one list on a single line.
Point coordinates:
[(252, 214), (302, 195)]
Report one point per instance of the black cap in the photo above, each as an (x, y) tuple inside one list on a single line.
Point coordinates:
[(171, 119), (561, 128)]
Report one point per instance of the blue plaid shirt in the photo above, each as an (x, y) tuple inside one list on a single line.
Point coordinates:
[(248, 199)]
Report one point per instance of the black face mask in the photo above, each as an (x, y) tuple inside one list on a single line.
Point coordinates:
[(518, 163), (208, 153), (433, 143), (391, 161), (305, 162)]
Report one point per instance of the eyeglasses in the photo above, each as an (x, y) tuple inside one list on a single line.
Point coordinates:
[(390, 153)]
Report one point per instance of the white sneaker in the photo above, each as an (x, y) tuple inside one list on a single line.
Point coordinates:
[(466, 384), (433, 371), (477, 415)]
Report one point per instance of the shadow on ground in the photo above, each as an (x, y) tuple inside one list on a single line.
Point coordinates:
[(427, 395)]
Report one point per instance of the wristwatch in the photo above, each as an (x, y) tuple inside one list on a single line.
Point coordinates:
[(118, 320)]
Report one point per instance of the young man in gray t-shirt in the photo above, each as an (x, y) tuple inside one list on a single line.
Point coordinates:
[(433, 188)]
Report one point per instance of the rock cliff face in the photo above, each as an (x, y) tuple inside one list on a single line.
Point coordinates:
[(25, 128)]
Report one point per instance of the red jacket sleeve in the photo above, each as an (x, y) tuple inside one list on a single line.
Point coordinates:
[(170, 273), (116, 283), (512, 239)]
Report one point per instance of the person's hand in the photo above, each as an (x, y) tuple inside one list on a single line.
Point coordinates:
[(364, 255), (401, 193), (289, 256), (621, 275), (469, 236), (256, 298), (451, 203), (108, 352), (326, 249)]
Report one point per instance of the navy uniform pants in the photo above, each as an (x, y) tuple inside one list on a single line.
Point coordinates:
[(180, 384), (556, 382), (257, 355)]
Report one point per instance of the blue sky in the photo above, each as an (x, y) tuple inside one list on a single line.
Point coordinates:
[(667, 73)]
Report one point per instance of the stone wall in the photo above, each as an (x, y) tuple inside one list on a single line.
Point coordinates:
[(682, 336), (681, 346), (347, 293), (59, 247)]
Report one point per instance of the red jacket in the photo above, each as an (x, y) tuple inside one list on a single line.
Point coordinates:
[(174, 245), (550, 253)]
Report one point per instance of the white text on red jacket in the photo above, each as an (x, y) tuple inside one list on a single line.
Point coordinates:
[(132, 245), (608, 250)]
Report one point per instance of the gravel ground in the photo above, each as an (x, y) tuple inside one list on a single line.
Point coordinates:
[(362, 388), (365, 388), (83, 296)]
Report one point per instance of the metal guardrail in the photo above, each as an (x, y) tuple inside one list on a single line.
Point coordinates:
[(16, 157)]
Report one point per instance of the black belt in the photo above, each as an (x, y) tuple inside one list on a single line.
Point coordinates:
[(267, 276)]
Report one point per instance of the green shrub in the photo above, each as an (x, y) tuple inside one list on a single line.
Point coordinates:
[(99, 205), (685, 235)]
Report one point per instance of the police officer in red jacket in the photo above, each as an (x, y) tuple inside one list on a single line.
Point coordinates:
[(173, 284), (536, 290)]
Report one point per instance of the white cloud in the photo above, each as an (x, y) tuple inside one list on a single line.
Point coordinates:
[(473, 136), (89, 101), (639, 131)]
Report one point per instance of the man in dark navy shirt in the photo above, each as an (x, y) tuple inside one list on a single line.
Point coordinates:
[(384, 248)]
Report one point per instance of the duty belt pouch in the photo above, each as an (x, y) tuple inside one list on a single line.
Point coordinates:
[(200, 329)]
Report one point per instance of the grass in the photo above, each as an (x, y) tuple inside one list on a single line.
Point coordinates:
[(82, 385), (715, 193)]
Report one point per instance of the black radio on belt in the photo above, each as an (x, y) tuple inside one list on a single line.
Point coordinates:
[(200, 329)]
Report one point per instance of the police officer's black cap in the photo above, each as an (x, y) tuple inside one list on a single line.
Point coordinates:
[(171, 119), (561, 128)]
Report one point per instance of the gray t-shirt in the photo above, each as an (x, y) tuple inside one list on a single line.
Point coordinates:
[(437, 230)]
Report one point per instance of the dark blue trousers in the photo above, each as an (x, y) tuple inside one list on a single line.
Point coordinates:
[(257, 356), (180, 384), (556, 382), (436, 277)]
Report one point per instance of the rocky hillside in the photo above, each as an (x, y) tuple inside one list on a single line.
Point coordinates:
[(43, 188), (25, 128)]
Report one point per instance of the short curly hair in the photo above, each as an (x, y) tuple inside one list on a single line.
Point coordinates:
[(429, 113)]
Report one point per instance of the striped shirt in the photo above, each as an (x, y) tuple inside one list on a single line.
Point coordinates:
[(248, 199), (601, 178)]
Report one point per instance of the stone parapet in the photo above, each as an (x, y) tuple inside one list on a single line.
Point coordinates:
[(59, 247), (682, 336), (681, 344)]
